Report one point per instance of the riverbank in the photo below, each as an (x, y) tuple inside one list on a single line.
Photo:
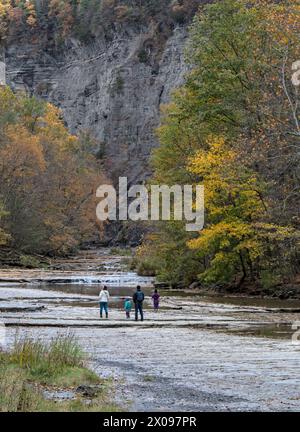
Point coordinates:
[(281, 291), (11, 258), (36, 376), (286, 291), (26, 269)]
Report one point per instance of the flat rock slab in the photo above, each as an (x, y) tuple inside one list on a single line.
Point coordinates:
[(59, 395), (184, 358), (109, 324)]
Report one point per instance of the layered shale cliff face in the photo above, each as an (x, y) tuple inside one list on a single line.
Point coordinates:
[(113, 88)]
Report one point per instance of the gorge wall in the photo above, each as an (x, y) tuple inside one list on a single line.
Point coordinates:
[(110, 87)]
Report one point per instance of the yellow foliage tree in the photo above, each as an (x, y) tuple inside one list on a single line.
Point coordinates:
[(237, 237), (232, 203)]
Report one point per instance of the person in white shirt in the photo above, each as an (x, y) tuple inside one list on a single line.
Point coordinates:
[(103, 299)]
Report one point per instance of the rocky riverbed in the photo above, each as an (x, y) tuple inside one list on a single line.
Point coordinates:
[(197, 353)]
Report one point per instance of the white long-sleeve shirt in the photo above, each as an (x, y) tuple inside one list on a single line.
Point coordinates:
[(104, 296)]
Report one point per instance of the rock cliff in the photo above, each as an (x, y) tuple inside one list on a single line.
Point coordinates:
[(110, 87)]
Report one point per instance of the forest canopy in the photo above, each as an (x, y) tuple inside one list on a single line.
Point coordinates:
[(88, 18)]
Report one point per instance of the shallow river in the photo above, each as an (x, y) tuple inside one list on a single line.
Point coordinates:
[(197, 353)]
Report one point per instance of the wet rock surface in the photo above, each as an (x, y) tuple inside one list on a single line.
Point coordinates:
[(197, 353), (59, 395)]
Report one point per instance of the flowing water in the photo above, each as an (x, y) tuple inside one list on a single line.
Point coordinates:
[(197, 353)]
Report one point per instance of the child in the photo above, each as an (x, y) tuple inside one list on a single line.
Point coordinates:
[(127, 307), (155, 298)]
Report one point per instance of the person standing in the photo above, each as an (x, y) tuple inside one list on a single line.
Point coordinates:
[(103, 299), (138, 298), (155, 298)]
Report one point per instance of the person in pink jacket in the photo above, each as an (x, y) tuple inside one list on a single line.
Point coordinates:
[(155, 298)]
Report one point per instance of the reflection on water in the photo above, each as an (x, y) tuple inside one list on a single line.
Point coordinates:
[(277, 331), (245, 301), (92, 290)]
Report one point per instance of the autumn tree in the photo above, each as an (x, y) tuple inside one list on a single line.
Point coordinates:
[(234, 126), (86, 19), (4, 237), (5, 7), (48, 179)]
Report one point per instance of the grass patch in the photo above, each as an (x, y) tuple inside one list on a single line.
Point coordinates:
[(31, 262), (44, 361), (15, 392), (149, 378), (120, 251), (72, 376), (146, 267), (31, 367)]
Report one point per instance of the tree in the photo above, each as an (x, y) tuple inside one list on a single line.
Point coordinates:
[(234, 126), (4, 237), (5, 8), (236, 238), (47, 178)]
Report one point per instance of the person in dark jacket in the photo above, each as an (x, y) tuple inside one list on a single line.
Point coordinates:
[(138, 298)]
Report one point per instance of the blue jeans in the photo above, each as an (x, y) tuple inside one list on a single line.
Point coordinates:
[(139, 309), (103, 305)]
